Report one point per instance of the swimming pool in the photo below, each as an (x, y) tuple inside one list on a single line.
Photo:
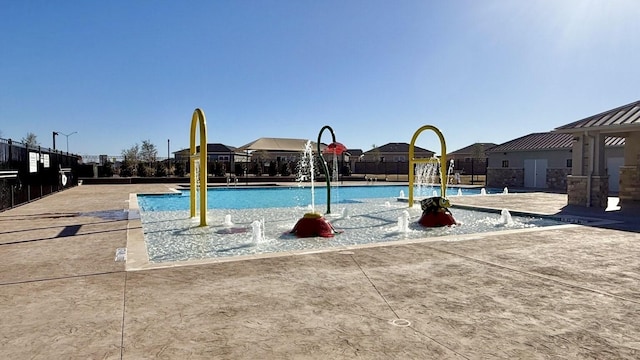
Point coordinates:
[(171, 235), (283, 196)]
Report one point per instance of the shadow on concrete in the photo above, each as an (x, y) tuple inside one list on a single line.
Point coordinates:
[(624, 218)]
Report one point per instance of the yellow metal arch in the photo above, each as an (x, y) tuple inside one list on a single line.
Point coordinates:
[(413, 161), (198, 118)]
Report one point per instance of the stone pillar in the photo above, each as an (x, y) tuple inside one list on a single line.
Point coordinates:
[(600, 191), (629, 184), (577, 190), (589, 184), (630, 173)]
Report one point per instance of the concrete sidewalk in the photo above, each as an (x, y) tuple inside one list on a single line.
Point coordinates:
[(567, 292)]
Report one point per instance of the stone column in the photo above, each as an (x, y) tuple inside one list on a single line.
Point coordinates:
[(588, 185), (630, 173), (577, 190)]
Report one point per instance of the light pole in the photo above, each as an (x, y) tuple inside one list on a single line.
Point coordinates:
[(67, 136)]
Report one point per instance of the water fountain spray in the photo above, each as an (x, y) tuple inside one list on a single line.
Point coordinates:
[(314, 224)]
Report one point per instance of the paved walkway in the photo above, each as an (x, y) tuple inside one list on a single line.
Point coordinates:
[(569, 292)]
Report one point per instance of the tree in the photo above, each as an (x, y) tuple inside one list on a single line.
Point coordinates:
[(107, 169), (273, 168), (148, 152), (375, 152), (130, 163), (478, 156), (141, 160), (148, 156), (259, 157), (31, 140), (132, 153), (180, 169), (477, 152)]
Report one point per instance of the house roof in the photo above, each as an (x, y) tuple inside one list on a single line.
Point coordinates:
[(278, 144), (471, 148), (354, 152), (546, 141), (398, 148), (217, 147), (619, 118), (211, 148)]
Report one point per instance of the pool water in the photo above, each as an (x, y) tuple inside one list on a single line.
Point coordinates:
[(279, 197), (236, 230)]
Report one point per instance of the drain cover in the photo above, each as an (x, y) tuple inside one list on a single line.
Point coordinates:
[(401, 322), (121, 254)]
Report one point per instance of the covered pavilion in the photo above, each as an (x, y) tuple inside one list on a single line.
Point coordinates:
[(588, 183)]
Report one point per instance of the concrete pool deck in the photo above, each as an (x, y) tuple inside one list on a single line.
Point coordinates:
[(569, 292)]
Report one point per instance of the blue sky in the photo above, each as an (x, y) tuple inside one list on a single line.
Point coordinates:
[(120, 72)]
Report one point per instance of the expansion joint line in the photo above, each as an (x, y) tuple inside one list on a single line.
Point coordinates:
[(396, 314), (124, 310), (539, 276), (60, 278), (375, 287)]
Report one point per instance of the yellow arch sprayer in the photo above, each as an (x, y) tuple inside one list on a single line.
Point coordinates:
[(198, 177)]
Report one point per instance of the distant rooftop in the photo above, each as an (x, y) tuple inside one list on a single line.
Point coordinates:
[(472, 148), (399, 148)]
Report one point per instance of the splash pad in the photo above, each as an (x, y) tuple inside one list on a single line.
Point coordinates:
[(232, 234), (172, 236)]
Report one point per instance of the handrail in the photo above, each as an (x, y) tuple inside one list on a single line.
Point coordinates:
[(413, 161), (8, 174)]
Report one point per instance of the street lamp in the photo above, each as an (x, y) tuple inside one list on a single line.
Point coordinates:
[(67, 136)]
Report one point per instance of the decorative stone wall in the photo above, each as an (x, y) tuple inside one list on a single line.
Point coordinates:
[(577, 190), (514, 177), (629, 184), (505, 177), (600, 191), (557, 179)]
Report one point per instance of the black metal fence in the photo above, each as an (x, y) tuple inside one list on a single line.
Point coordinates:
[(463, 167), (29, 173)]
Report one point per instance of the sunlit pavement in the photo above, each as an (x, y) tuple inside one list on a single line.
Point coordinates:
[(571, 291)]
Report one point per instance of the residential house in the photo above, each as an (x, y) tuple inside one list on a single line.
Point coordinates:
[(470, 160), (351, 156), (277, 155), (473, 151), (391, 158), (226, 156), (215, 152), (278, 149)]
